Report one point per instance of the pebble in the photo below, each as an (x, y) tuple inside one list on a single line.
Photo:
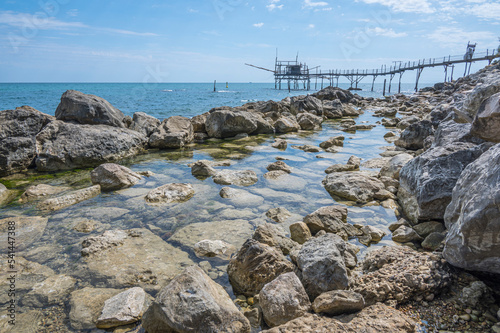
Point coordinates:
[(465, 317)]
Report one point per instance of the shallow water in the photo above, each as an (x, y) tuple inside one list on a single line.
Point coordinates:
[(206, 215)]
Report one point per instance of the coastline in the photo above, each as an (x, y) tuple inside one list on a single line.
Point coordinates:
[(234, 127)]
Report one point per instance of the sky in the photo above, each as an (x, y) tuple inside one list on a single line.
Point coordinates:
[(155, 41)]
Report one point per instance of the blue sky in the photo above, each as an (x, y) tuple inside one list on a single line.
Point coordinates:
[(200, 41)]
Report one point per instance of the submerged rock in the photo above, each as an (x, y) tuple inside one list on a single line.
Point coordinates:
[(279, 166), (118, 259), (239, 177), (51, 291), (86, 305), (473, 216), (240, 197), (168, 193), (112, 177), (69, 199), (283, 299), (173, 132), (88, 109), (202, 169), (255, 265), (66, 146), (192, 302), (18, 129), (279, 144), (279, 214)]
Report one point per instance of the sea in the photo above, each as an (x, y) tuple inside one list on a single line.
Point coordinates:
[(163, 100)]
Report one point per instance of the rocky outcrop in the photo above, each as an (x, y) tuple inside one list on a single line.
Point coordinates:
[(474, 100), (332, 93), (193, 302), (375, 318), (308, 121), (239, 177), (283, 299), (173, 132), (286, 125), (413, 275), (88, 109), (321, 261), (413, 136), (337, 302), (144, 123), (352, 186), (112, 177), (168, 193), (66, 146), (225, 124), (331, 219), (18, 129), (124, 308), (473, 216), (255, 265), (69, 199), (486, 123), (426, 182)]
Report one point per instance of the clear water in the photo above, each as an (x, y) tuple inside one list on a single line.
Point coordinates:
[(300, 192), (160, 100)]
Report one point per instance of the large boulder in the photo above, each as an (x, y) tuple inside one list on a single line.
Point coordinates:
[(474, 99), (332, 93), (255, 265), (18, 129), (286, 124), (473, 216), (375, 318), (192, 302), (308, 121), (198, 123), (400, 274), (113, 177), (144, 123), (66, 146), (426, 182), (283, 299), (352, 186), (274, 236), (331, 219), (173, 132), (88, 109), (225, 123), (414, 135), (486, 124), (308, 103), (321, 261)]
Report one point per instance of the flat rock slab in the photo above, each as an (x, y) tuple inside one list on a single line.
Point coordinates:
[(41, 191), (28, 229), (337, 302), (241, 198), (238, 178), (70, 199), (139, 258), (51, 291), (86, 305), (175, 192)]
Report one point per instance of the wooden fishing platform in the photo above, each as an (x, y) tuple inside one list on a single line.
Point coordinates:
[(297, 74)]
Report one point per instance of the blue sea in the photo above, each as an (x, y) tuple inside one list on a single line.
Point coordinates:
[(161, 100)]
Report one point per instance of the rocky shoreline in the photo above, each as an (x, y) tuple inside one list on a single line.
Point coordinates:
[(441, 177)]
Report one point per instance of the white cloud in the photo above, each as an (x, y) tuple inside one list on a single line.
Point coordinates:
[(406, 6), (273, 4), (386, 32), (455, 38), (311, 26), (311, 4), (487, 10), (41, 21), (72, 12), (258, 25)]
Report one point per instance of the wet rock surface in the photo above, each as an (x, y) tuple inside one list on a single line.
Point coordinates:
[(112, 177)]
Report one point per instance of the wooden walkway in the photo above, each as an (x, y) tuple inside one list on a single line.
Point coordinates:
[(297, 74)]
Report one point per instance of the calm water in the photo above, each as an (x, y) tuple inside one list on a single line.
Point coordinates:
[(159, 100), (206, 215)]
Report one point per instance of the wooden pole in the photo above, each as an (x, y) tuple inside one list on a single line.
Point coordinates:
[(215, 81), (383, 93)]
